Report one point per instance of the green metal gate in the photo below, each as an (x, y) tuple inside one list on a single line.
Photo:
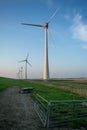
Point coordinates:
[(56, 112)]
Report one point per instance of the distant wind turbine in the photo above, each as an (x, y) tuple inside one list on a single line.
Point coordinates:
[(21, 70), (26, 62), (45, 26), (18, 74)]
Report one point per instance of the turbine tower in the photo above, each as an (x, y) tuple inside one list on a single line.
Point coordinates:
[(18, 74), (26, 62), (46, 61)]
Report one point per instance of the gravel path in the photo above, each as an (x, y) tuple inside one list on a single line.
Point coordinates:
[(17, 112)]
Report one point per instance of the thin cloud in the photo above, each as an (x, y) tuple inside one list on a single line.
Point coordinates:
[(79, 29), (84, 46), (50, 2), (67, 17)]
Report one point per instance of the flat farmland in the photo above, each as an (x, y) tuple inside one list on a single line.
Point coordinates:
[(14, 104), (73, 88), (52, 89)]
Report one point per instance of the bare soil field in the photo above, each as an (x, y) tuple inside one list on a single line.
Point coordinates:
[(80, 80), (17, 112)]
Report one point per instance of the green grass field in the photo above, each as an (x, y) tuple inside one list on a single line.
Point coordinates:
[(51, 90)]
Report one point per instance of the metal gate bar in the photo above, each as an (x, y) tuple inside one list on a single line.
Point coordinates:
[(56, 112)]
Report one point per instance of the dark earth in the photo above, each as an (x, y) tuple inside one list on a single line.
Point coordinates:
[(17, 112)]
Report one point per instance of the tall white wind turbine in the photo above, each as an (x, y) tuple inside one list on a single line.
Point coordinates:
[(26, 62), (46, 62)]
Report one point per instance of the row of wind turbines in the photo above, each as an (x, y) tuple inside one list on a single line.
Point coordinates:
[(46, 61), (20, 70)]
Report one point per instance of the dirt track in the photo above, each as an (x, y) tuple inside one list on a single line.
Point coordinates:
[(17, 112)]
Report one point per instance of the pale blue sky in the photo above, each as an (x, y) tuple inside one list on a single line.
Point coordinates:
[(67, 58)]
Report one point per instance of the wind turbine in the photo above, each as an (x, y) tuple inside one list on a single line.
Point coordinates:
[(18, 74), (26, 62), (21, 70), (45, 26)]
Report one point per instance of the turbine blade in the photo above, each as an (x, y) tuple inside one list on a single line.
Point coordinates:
[(32, 24), (29, 63), (53, 41), (22, 60), (53, 15), (27, 56)]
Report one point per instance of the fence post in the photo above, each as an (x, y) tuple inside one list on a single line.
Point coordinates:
[(48, 114)]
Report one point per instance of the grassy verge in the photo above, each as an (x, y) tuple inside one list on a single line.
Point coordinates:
[(5, 83), (51, 90)]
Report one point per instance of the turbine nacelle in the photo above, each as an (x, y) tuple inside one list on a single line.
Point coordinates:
[(45, 25)]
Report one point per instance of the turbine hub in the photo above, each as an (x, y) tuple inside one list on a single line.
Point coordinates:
[(45, 25)]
